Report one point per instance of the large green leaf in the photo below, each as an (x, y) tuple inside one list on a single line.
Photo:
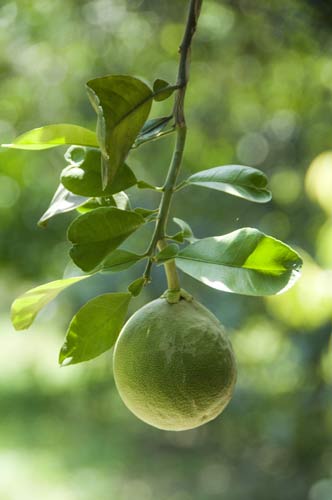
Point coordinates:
[(245, 182), (245, 261), (95, 328), (119, 260), (83, 176), (122, 104), (95, 234), (52, 136), (26, 307), (63, 201), (153, 129)]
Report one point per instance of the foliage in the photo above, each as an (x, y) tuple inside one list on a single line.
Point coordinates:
[(260, 95), (245, 261)]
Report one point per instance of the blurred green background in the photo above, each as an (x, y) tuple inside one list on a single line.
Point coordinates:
[(260, 95)]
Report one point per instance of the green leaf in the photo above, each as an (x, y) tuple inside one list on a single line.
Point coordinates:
[(152, 130), (136, 286), (95, 328), (167, 253), (122, 104), (178, 237), (148, 215), (146, 185), (187, 233), (26, 307), (83, 175), (162, 90), (122, 200), (245, 261), (237, 180), (92, 204), (95, 234), (62, 201), (119, 260), (52, 136), (119, 200)]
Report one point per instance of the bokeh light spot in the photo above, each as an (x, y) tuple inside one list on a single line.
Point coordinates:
[(286, 186), (252, 149)]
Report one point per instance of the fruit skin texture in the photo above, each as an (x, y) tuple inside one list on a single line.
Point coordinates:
[(173, 365)]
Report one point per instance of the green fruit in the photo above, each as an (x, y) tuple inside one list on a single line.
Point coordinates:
[(173, 365)]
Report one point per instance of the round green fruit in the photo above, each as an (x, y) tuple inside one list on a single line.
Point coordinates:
[(173, 365)]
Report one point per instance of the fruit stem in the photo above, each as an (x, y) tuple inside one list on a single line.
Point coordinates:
[(181, 131), (172, 277)]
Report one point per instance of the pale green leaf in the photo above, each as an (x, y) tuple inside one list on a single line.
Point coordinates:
[(95, 328), (26, 307), (244, 261), (63, 201), (52, 136), (97, 233)]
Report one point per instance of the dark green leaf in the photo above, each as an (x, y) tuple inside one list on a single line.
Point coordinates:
[(95, 234), (245, 182), (95, 328), (51, 136), (162, 89), (62, 201), (119, 260), (152, 130), (122, 104), (26, 307), (167, 253), (187, 233), (136, 286), (83, 175), (245, 261)]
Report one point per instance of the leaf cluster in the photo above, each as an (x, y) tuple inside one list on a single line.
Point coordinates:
[(93, 181)]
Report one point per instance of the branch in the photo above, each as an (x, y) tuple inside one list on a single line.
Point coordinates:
[(181, 130)]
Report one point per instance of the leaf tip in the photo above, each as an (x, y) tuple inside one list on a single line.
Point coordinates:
[(42, 223), (18, 319), (66, 362), (65, 357), (137, 286)]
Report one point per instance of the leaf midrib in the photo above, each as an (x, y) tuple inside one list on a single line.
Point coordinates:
[(254, 188), (233, 266)]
